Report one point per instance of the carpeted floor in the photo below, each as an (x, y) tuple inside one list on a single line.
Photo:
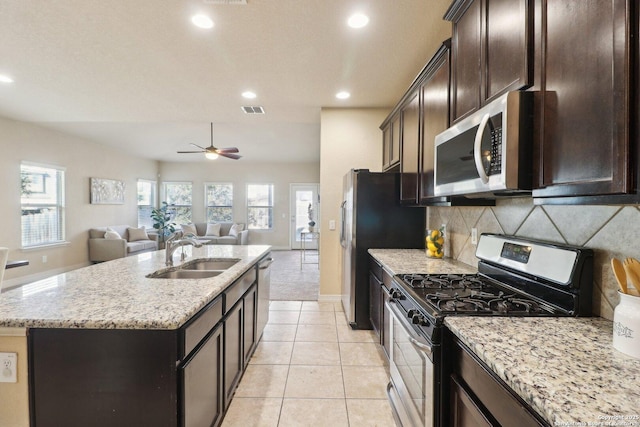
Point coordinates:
[(289, 282)]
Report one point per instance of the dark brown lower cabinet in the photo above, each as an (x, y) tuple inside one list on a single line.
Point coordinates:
[(249, 323), (233, 357), (478, 397)]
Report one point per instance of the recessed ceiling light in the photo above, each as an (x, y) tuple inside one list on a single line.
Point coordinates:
[(5, 79), (343, 95), (249, 95), (358, 20), (202, 21)]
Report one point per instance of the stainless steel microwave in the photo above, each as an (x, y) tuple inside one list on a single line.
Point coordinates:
[(488, 153)]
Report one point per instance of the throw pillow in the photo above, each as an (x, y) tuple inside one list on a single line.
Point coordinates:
[(213, 230), (111, 234), (236, 229), (189, 229), (137, 234)]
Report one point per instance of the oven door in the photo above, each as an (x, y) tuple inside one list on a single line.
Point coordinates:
[(411, 390)]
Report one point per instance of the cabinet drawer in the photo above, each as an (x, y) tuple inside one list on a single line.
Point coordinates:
[(201, 324), (239, 287), (500, 401)]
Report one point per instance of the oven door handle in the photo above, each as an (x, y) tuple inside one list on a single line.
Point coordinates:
[(413, 336)]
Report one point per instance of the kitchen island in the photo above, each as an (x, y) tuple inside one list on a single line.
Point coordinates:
[(108, 345)]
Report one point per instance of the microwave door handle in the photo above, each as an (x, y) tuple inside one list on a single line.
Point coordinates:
[(477, 145)]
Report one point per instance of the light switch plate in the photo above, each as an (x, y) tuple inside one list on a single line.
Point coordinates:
[(332, 224), (8, 367)]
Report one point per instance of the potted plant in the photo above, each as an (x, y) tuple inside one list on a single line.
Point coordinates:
[(162, 222), (311, 222)]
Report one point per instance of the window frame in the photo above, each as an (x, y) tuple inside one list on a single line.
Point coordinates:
[(154, 201), (269, 207), (175, 206), (59, 206), (207, 206)]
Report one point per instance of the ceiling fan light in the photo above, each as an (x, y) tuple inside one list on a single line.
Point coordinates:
[(211, 156)]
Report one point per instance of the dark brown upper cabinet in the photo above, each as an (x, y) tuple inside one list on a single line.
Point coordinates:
[(410, 149), (391, 144), (584, 67), (491, 51)]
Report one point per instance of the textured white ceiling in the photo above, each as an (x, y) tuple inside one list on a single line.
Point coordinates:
[(137, 75)]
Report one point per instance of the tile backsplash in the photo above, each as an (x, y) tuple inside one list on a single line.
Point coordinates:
[(611, 231)]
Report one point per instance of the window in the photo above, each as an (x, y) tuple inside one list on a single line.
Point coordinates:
[(42, 203), (219, 202), (178, 194), (260, 206), (146, 202)]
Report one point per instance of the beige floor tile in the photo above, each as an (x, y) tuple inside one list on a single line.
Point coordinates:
[(283, 317), (337, 307), (285, 305), (276, 332), (272, 353), (317, 318), (253, 412), (365, 382), (361, 354), (346, 334), (313, 413), (263, 381), (314, 382), (370, 413), (315, 353), (317, 306), (316, 333)]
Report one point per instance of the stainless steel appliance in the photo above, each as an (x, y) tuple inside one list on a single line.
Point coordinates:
[(371, 217), (516, 277), (489, 152)]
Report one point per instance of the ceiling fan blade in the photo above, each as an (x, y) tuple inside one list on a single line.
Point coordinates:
[(231, 156), (187, 152), (196, 145), (227, 150)]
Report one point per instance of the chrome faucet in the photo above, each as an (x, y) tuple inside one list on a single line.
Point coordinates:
[(174, 243)]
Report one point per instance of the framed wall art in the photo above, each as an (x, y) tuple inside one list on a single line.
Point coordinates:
[(107, 191)]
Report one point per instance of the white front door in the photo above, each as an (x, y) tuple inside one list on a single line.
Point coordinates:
[(304, 209)]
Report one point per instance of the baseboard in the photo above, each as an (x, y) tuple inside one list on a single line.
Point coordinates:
[(329, 298), (23, 280)]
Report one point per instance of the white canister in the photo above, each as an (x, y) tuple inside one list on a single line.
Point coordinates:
[(626, 325)]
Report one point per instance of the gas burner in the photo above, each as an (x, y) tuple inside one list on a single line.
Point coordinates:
[(459, 304), (442, 281), (512, 304)]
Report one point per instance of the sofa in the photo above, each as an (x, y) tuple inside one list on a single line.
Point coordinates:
[(105, 244), (221, 236)]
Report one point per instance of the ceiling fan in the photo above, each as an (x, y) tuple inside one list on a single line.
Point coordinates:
[(212, 152)]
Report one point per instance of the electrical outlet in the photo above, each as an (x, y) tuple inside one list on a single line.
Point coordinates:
[(8, 367), (332, 224), (44, 259), (474, 236)]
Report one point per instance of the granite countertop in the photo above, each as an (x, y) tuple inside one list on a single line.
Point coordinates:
[(407, 261), (565, 368), (117, 295)]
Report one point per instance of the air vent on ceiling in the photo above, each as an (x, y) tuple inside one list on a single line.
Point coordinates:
[(253, 110), (225, 1)]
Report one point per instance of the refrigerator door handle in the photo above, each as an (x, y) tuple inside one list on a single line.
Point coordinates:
[(342, 218)]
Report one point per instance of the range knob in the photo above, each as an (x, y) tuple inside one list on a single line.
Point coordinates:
[(396, 294)]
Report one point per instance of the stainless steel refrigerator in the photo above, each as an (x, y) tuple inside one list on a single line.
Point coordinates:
[(372, 217)]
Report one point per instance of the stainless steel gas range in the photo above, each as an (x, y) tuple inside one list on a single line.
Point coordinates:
[(516, 277)]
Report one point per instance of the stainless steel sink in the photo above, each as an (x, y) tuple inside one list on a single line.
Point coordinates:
[(185, 274), (210, 264)]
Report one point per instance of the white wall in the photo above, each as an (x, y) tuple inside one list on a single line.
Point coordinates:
[(240, 173), (349, 139), (21, 141)]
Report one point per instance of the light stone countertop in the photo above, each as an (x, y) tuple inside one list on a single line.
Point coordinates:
[(407, 261), (117, 295), (565, 368)]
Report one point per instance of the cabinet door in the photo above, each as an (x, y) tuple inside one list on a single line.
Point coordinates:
[(585, 68), (386, 146), (465, 46), (202, 382), (233, 360), (395, 141), (506, 54), (375, 304), (249, 326), (435, 119), (409, 150), (465, 412)]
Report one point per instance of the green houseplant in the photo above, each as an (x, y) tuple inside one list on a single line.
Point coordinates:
[(162, 222)]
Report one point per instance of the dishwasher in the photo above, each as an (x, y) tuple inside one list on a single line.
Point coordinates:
[(264, 285)]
